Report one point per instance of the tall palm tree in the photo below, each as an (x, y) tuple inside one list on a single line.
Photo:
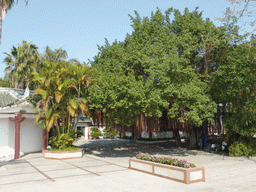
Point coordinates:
[(62, 89), (5, 5), (55, 55), (21, 62)]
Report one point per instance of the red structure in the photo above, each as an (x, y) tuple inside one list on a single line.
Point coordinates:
[(88, 124), (44, 141), (216, 130), (17, 120)]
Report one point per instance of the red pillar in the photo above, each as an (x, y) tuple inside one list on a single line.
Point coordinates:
[(44, 141), (17, 119), (88, 125)]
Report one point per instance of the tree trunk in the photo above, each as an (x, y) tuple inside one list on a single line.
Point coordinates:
[(133, 131), (76, 121), (124, 130), (137, 127), (192, 139), (177, 137), (141, 122)]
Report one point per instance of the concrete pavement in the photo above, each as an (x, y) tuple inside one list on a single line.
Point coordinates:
[(104, 167)]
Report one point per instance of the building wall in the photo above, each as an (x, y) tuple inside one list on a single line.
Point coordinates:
[(11, 136), (4, 131), (30, 136)]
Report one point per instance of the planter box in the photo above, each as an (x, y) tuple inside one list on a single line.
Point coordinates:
[(180, 174), (63, 154)]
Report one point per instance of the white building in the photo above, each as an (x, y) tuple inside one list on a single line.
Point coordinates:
[(18, 131)]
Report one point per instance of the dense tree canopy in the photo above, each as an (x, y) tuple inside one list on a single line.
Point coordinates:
[(152, 71), (234, 87)]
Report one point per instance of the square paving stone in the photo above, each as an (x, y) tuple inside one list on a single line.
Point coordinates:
[(22, 170), (107, 168), (67, 178), (21, 178), (90, 164), (68, 172), (55, 167)]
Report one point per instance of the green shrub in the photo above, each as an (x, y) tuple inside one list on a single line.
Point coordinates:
[(79, 132), (95, 133), (75, 134), (61, 142), (71, 148), (126, 137), (243, 147), (239, 148), (109, 132)]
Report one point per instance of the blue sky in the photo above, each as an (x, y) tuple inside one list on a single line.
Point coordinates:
[(79, 25)]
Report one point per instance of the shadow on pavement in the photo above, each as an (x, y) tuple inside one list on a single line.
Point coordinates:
[(129, 148)]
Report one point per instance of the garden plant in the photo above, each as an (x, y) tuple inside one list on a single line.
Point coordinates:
[(165, 160), (95, 133)]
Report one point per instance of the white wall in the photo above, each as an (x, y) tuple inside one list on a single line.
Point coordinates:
[(11, 137), (167, 134), (30, 136), (4, 131), (85, 130)]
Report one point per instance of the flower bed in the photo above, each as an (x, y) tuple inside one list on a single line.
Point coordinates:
[(63, 154), (165, 160), (170, 168)]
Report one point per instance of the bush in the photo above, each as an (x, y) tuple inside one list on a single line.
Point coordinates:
[(75, 134), (61, 142), (71, 148), (109, 132), (126, 137), (95, 133), (243, 147), (79, 132), (238, 149)]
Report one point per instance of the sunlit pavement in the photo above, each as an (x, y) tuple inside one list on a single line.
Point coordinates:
[(104, 167)]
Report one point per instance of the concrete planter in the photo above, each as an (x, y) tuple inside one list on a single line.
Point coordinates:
[(183, 175), (63, 154)]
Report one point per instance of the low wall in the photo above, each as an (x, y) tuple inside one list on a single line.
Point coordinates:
[(183, 175), (161, 135), (63, 154)]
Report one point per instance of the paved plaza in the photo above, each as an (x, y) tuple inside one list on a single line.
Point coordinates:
[(104, 167)]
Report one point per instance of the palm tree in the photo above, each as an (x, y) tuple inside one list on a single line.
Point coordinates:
[(55, 55), (20, 63), (62, 89), (5, 5), (47, 112)]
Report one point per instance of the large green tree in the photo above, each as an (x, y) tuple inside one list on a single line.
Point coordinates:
[(234, 88), (152, 72)]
